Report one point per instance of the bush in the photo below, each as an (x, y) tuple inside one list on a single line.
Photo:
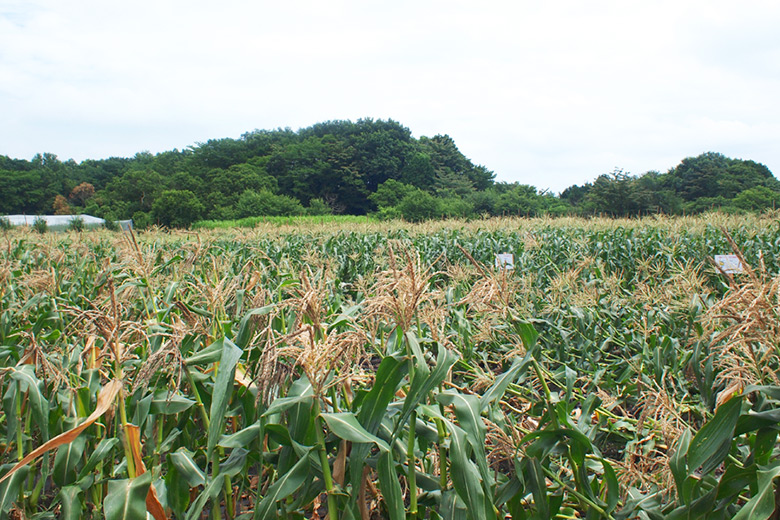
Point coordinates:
[(264, 203), (5, 224), (318, 207), (111, 225), (177, 208), (76, 224), (419, 206), (40, 225)]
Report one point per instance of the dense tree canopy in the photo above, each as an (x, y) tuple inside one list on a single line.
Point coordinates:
[(368, 166)]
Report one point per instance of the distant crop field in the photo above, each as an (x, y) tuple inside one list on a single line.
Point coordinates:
[(361, 369)]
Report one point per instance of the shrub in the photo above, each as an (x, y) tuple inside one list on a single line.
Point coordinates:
[(40, 225), (318, 207), (76, 224), (5, 224), (264, 203), (111, 225), (419, 206)]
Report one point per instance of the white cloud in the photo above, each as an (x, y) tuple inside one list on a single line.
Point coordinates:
[(548, 94)]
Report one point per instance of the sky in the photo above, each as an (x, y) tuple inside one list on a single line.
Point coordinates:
[(548, 93)]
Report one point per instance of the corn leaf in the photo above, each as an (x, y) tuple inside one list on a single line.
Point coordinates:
[(284, 486), (223, 386), (126, 499)]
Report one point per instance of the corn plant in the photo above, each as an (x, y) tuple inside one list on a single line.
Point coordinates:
[(614, 373)]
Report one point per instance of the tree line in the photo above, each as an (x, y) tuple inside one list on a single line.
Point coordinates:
[(363, 167)]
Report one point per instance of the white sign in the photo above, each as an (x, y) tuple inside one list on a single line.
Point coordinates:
[(505, 261), (729, 264)]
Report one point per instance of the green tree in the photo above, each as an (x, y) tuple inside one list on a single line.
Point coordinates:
[(390, 193), (521, 200), (177, 208), (757, 198), (418, 206), (318, 207), (418, 171), (264, 203), (715, 175), (618, 194)]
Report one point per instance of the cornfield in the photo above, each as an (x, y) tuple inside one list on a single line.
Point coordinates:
[(383, 371)]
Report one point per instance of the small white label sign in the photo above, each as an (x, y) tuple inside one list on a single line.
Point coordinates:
[(729, 264), (505, 261)]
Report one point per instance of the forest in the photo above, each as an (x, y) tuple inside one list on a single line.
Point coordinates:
[(367, 167)]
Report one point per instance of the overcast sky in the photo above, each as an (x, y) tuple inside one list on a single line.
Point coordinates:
[(548, 93)]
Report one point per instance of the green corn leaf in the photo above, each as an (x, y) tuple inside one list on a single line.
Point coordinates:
[(100, 452), (764, 445), (466, 477), (177, 491), (211, 492), (752, 421), (762, 505), (390, 486), (284, 486), (527, 333), (346, 426), (71, 503), (677, 463), (414, 345), (712, 442), (735, 480), (241, 438), (373, 409), (126, 499), (9, 489), (169, 404), (187, 467), (452, 507), (612, 485), (234, 463), (206, 356), (40, 406), (245, 331), (533, 476), (281, 404), (467, 410), (391, 371), (68, 456), (499, 386), (223, 387), (422, 384)]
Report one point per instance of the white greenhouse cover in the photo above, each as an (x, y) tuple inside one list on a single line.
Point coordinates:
[(53, 220)]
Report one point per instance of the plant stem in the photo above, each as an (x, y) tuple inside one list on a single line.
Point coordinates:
[(412, 476), (442, 454), (326, 474)]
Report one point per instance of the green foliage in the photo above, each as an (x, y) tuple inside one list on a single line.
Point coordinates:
[(76, 224), (418, 206), (527, 399), (758, 198), (318, 207), (265, 203), (40, 225), (111, 224), (177, 208), (356, 168), (5, 224), (715, 175), (390, 193)]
